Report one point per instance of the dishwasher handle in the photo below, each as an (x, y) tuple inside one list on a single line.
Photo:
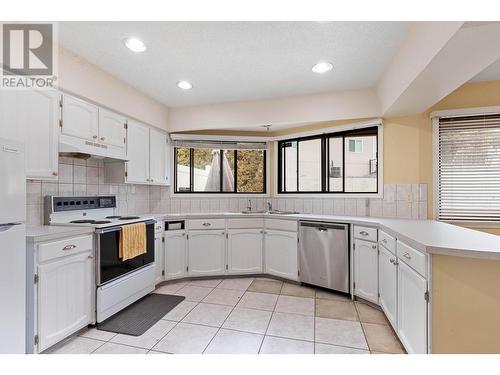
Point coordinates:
[(323, 227)]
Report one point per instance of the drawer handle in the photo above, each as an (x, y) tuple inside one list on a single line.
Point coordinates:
[(394, 261), (363, 233), (68, 247), (374, 246), (384, 240), (407, 255), (391, 260), (206, 224)]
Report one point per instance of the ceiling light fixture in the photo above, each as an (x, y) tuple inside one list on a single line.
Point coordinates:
[(135, 45), (322, 67), (185, 85)]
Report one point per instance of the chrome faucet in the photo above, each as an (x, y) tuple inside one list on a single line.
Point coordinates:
[(249, 207), (269, 206)]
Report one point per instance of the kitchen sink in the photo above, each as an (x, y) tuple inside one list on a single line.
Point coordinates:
[(272, 212)]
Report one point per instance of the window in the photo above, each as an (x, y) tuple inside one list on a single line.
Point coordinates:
[(344, 162), (216, 170), (468, 168)]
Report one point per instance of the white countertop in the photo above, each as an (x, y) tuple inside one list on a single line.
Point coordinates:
[(430, 236), (38, 233)]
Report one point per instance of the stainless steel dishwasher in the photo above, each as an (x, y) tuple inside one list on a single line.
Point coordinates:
[(324, 255)]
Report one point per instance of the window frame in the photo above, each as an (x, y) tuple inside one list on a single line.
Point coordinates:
[(342, 132), (192, 193), (435, 117)]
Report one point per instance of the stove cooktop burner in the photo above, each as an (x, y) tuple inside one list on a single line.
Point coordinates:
[(90, 222), (129, 217)]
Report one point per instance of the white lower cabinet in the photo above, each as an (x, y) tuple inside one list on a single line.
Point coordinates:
[(159, 253), (280, 249), (175, 254), (387, 284), (412, 309), (244, 251), (206, 252), (64, 297), (366, 270)]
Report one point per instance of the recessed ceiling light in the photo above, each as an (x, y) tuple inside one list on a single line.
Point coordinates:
[(185, 85), (135, 44), (322, 67)]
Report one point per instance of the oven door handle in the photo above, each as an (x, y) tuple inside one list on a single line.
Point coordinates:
[(119, 227)]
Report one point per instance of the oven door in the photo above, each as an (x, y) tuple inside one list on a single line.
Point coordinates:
[(109, 266)]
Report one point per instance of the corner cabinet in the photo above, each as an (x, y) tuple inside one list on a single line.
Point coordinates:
[(175, 254), (281, 257), (387, 284), (244, 251), (366, 270), (37, 128), (206, 252)]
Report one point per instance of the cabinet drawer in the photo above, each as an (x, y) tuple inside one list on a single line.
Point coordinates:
[(257, 223), (387, 241), (414, 258), (288, 225), (67, 246), (365, 233), (206, 224)]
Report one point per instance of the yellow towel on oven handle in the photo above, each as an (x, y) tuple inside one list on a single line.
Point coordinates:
[(132, 241)]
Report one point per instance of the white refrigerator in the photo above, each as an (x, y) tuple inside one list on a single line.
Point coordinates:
[(12, 247)]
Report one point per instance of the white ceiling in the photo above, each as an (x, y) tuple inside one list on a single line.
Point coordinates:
[(237, 61), (491, 73)]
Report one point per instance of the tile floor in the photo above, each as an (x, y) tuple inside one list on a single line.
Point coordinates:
[(250, 316)]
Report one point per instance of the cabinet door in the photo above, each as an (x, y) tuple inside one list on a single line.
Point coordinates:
[(37, 128), (387, 284), (159, 263), (244, 251), (64, 298), (137, 153), (281, 254), (158, 149), (168, 162), (112, 129), (412, 310), (206, 250), (366, 270), (175, 254), (80, 119)]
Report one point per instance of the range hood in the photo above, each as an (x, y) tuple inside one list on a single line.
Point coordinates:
[(83, 149)]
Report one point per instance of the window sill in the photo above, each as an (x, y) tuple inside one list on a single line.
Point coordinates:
[(474, 224), (219, 195), (330, 195)]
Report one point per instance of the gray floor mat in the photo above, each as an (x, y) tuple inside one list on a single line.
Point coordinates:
[(141, 315)]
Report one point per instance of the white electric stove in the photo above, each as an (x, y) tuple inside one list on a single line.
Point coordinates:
[(118, 283)]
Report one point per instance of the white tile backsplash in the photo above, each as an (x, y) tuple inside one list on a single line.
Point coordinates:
[(80, 177)]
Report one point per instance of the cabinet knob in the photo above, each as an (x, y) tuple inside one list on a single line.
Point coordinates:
[(54, 173), (374, 246), (407, 255), (94, 136), (102, 139)]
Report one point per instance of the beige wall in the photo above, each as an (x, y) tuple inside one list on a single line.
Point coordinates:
[(466, 305), (84, 79)]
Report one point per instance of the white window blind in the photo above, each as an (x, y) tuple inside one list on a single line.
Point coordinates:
[(469, 168)]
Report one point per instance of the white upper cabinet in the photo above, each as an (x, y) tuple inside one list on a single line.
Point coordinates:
[(79, 118), (137, 153), (280, 249), (112, 128), (412, 310), (206, 252), (37, 128), (158, 157), (387, 283), (244, 251), (366, 270)]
